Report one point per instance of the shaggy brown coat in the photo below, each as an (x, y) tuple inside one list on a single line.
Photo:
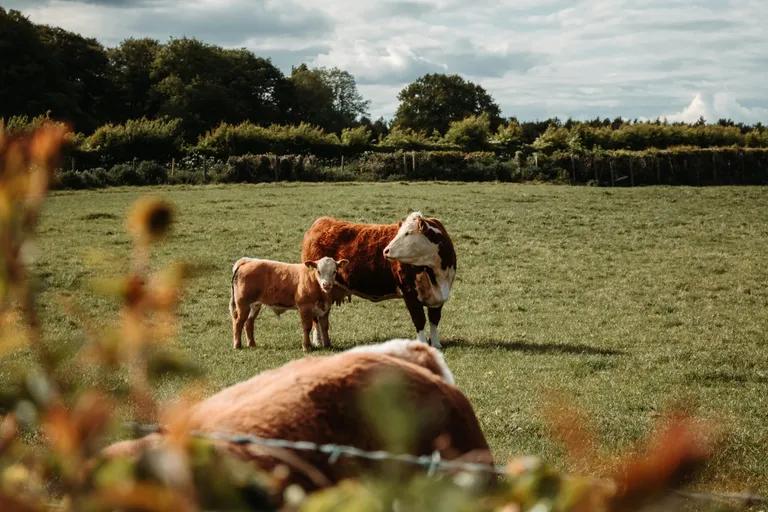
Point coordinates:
[(319, 399), (369, 274)]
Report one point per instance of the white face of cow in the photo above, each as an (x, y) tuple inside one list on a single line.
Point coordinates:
[(325, 271), (411, 245)]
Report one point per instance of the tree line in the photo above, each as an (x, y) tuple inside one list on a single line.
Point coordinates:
[(186, 93), (48, 70)]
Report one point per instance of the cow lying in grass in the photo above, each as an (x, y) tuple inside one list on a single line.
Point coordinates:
[(281, 286), (329, 399)]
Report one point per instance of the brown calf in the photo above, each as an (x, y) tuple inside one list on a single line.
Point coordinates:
[(414, 259), (281, 286), (320, 399)]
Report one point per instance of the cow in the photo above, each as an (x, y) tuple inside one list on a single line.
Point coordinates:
[(281, 286), (414, 259), (323, 400)]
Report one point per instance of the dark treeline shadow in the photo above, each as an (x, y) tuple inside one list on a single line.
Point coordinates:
[(534, 348)]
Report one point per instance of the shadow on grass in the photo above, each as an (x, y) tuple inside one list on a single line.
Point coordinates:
[(533, 348)]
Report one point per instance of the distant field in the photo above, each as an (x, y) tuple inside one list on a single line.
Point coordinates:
[(627, 300)]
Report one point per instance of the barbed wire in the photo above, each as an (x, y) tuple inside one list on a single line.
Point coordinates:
[(431, 463)]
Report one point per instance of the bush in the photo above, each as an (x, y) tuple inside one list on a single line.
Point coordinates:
[(358, 137), (406, 138), (554, 138), (247, 138), (757, 138), (142, 139), (471, 133), (509, 137), (152, 173), (25, 125)]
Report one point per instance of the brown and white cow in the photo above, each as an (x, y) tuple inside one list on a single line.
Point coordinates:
[(281, 286), (414, 259), (321, 400)]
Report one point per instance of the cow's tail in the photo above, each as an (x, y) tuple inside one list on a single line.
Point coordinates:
[(235, 268)]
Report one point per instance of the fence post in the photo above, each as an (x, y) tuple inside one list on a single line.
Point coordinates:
[(743, 173), (594, 168), (173, 166), (413, 160), (613, 177), (573, 171), (698, 176), (671, 168), (405, 163), (342, 163)]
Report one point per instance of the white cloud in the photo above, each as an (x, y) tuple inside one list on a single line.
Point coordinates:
[(713, 107)]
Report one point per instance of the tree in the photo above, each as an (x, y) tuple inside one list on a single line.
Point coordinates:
[(326, 97), (379, 129), (312, 97), (435, 100), (131, 64), (28, 76), (205, 84), (50, 70), (85, 68), (348, 104)]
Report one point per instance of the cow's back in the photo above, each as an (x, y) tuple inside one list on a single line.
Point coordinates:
[(319, 400), (368, 272)]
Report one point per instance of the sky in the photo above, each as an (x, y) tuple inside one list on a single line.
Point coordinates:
[(644, 59)]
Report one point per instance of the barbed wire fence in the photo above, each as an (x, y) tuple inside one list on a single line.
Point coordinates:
[(432, 463)]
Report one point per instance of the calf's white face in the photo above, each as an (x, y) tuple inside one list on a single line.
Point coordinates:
[(325, 271), (411, 245)]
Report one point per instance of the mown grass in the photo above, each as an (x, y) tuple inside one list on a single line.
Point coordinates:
[(625, 300)]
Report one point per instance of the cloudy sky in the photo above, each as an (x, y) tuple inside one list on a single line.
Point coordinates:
[(538, 58)]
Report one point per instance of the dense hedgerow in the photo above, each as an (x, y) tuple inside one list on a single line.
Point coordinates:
[(640, 136), (136, 139), (248, 138), (674, 166)]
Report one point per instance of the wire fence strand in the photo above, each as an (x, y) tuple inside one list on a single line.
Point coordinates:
[(430, 463)]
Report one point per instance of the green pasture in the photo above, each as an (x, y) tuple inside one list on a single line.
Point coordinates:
[(625, 301)]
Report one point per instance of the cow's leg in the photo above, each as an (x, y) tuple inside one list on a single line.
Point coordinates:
[(307, 317), (417, 316), (252, 315), (434, 319), (317, 337), (239, 316), (324, 325)]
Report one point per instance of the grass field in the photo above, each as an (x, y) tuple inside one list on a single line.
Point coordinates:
[(626, 300)]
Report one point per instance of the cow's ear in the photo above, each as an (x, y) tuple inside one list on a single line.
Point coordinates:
[(342, 263), (422, 224), (311, 264)]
